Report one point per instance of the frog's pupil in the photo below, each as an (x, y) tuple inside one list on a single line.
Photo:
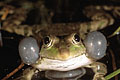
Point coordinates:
[(76, 38), (46, 40)]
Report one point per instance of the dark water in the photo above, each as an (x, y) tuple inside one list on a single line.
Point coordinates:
[(67, 11)]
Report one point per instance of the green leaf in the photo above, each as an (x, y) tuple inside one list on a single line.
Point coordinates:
[(112, 74)]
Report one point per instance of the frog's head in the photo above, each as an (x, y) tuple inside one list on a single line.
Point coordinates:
[(63, 52), (62, 47)]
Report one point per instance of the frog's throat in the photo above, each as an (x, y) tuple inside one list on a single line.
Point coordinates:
[(70, 64)]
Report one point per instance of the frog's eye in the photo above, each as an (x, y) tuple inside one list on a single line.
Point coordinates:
[(29, 50), (76, 38), (47, 41), (95, 44)]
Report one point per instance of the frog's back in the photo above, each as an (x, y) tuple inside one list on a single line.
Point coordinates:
[(59, 29)]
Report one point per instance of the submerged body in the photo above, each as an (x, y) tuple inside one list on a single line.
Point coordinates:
[(64, 52), (64, 47)]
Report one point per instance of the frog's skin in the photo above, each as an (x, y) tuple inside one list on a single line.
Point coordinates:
[(63, 54)]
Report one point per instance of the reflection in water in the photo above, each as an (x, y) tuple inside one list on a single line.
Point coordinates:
[(65, 75)]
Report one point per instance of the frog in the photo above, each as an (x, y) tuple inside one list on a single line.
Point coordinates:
[(64, 47), (61, 53)]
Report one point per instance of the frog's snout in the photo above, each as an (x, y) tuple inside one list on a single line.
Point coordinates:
[(64, 53)]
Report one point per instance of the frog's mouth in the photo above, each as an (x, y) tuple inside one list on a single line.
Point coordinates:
[(70, 64)]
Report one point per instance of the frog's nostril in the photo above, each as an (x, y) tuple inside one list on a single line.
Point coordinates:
[(64, 53), (28, 50), (95, 44)]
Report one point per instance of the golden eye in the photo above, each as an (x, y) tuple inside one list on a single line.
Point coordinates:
[(47, 41), (76, 38)]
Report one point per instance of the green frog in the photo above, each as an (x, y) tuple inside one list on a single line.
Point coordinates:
[(64, 47), (64, 53)]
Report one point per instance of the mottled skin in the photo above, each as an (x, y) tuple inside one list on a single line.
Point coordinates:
[(64, 54), (62, 47)]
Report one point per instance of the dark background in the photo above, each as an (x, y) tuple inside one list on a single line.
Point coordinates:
[(64, 11)]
